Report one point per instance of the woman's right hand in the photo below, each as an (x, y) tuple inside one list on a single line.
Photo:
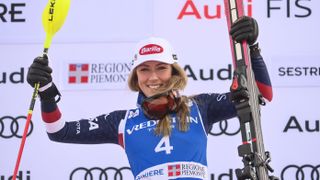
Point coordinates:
[(39, 71)]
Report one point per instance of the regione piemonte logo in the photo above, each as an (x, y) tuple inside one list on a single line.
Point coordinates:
[(174, 170), (95, 75), (78, 73), (187, 169)]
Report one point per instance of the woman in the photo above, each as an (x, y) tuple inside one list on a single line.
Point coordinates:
[(166, 131)]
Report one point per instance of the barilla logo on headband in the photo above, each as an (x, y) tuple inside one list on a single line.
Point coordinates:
[(150, 49)]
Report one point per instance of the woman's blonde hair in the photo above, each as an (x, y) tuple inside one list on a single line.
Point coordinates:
[(178, 81)]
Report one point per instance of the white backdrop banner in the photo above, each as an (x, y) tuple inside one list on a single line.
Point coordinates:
[(91, 56)]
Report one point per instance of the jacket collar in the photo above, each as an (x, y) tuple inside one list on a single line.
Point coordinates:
[(140, 99)]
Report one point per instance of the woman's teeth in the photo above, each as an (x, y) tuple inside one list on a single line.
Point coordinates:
[(154, 86)]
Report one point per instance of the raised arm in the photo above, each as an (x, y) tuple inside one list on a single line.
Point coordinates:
[(101, 129), (246, 28)]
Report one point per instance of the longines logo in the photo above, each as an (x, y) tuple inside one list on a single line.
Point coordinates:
[(13, 126)]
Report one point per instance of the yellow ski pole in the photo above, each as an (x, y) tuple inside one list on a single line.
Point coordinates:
[(53, 18)]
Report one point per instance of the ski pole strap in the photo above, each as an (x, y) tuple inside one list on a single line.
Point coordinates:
[(50, 93), (255, 51)]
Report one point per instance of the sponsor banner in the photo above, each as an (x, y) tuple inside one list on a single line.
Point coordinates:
[(13, 77), (304, 171), (21, 175), (105, 66), (97, 21), (207, 76), (18, 21), (93, 51), (101, 173), (13, 127), (93, 66), (287, 172), (295, 71), (174, 170), (229, 127), (107, 74)]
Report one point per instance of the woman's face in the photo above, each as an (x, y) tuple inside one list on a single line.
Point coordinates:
[(152, 75)]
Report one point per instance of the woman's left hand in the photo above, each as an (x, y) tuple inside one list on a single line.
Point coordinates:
[(245, 28)]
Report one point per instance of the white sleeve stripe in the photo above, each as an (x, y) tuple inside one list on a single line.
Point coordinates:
[(55, 126), (122, 127)]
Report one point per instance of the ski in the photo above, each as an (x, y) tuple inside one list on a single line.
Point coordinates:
[(247, 98)]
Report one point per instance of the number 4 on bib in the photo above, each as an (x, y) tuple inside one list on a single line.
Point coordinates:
[(164, 145)]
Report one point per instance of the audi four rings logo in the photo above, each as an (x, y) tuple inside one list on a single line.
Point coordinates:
[(11, 127), (103, 174), (224, 129), (308, 172)]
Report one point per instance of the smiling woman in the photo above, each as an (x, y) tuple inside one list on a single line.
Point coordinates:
[(152, 76), (165, 135)]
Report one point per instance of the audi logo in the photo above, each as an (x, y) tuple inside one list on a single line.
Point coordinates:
[(97, 173), (300, 172), (224, 128), (10, 127)]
